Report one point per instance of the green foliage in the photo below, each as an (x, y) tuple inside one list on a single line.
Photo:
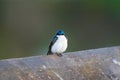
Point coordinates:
[(26, 27)]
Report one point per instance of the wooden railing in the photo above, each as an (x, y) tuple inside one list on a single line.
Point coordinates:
[(94, 64)]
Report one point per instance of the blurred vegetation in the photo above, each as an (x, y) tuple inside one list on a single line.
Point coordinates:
[(26, 26)]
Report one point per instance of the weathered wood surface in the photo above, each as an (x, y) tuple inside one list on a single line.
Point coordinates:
[(94, 64)]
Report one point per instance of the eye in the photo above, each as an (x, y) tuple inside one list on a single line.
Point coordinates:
[(58, 33)]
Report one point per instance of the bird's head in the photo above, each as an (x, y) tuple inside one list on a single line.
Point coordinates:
[(60, 32)]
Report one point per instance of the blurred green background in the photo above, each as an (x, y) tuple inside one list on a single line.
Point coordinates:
[(27, 26)]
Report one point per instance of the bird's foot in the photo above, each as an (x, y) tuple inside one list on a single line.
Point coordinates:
[(59, 54)]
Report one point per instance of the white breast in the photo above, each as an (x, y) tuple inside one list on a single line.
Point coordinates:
[(60, 45)]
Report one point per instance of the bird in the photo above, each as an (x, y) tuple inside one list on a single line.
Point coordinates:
[(58, 43)]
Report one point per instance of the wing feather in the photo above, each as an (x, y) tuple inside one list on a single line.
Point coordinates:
[(51, 44)]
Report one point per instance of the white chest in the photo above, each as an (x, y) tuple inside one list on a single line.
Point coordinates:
[(60, 45)]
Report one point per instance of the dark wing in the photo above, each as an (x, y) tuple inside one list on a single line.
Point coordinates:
[(50, 46)]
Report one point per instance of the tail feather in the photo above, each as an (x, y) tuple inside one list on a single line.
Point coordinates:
[(49, 53)]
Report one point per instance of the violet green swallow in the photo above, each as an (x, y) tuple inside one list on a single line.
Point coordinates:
[(58, 44)]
